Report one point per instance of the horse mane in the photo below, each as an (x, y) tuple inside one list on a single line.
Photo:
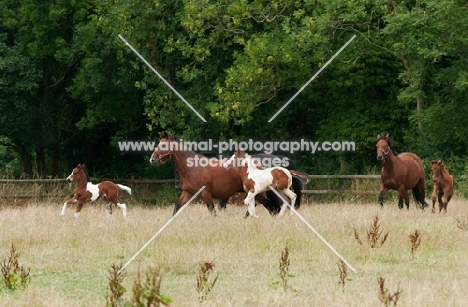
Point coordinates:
[(83, 167), (165, 135), (172, 137)]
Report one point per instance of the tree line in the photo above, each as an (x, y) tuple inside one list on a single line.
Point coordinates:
[(70, 89)]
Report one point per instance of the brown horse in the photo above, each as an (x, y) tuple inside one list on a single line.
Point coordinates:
[(256, 179), (86, 191), (196, 171), (401, 173), (443, 185)]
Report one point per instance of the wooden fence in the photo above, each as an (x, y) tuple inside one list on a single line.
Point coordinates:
[(151, 189)]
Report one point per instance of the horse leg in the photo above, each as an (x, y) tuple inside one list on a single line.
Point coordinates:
[(109, 209), (208, 200), (441, 203), (403, 196), (448, 196), (70, 201), (184, 197), (423, 202), (222, 204), (115, 200), (123, 207), (79, 206), (400, 202), (250, 202), (270, 201), (177, 206), (383, 190), (108, 204), (292, 196), (434, 197)]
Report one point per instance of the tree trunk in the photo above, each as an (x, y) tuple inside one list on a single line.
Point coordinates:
[(26, 164), (40, 159), (55, 160)]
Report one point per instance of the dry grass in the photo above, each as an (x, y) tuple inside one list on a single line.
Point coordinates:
[(70, 258)]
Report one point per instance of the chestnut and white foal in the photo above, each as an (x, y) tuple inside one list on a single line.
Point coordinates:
[(86, 191), (256, 180)]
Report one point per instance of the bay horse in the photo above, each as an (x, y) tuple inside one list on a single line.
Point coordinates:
[(220, 183), (443, 185), (86, 191), (400, 172), (256, 179)]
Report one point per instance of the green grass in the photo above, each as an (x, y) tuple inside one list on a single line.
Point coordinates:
[(70, 258)]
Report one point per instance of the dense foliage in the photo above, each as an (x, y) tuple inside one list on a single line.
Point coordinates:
[(70, 89)]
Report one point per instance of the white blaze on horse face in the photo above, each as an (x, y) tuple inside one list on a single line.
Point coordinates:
[(69, 178), (93, 189)]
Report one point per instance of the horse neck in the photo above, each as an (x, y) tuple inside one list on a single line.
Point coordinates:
[(251, 168), (82, 183), (445, 174), (180, 158), (391, 160)]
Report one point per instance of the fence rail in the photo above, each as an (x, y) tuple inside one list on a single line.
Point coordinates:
[(59, 188)]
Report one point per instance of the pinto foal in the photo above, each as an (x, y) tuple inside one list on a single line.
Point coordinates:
[(443, 185), (86, 191), (257, 180)]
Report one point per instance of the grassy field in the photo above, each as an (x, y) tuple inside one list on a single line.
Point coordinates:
[(70, 258)]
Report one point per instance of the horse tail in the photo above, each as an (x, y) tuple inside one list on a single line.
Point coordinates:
[(300, 175), (297, 187), (125, 188), (298, 179), (418, 198)]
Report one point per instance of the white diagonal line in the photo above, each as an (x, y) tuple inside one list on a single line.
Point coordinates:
[(313, 229), (160, 230), (161, 77), (311, 79)]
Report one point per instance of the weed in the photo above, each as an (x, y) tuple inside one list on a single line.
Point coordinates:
[(415, 239), (462, 224), (356, 236), (343, 272), (144, 293), (14, 275), (283, 273), (148, 293), (385, 297), (374, 234), (204, 282), (116, 288)]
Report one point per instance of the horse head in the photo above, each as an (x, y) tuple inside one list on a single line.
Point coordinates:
[(237, 159), (77, 172), (163, 151), (437, 167), (384, 143)]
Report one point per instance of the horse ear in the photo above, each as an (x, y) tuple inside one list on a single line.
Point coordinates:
[(163, 135), (440, 162)]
